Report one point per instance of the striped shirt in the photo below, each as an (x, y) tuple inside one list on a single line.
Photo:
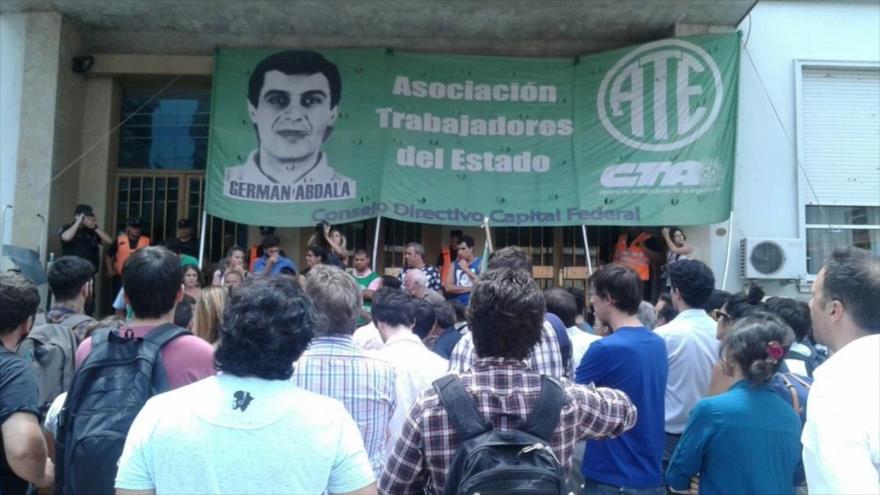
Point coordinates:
[(504, 391), (333, 366)]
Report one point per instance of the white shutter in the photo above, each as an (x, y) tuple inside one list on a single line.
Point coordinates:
[(841, 136)]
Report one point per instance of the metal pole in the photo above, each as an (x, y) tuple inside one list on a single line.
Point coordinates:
[(376, 241), (729, 247), (587, 251), (203, 229), (488, 234)]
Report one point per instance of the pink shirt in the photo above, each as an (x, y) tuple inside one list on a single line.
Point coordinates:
[(187, 359)]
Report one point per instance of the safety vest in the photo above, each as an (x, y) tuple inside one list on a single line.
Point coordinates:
[(253, 258), (124, 250), (634, 256)]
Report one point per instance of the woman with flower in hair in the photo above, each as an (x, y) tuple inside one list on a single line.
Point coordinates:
[(746, 440)]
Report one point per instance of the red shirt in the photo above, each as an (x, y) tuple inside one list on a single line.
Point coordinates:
[(187, 359)]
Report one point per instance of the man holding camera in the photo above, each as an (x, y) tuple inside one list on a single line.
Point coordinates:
[(83, 237)]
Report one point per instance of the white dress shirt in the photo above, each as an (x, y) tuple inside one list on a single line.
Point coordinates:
[(692, 350), (842, 436), (580, 342), (416, 369), (367, 337)]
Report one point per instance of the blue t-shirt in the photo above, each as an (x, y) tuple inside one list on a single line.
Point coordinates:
[(632, 359), (746, 440), (279, 265)]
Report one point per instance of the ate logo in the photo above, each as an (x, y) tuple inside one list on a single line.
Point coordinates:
[(661, 96), (241, 400)]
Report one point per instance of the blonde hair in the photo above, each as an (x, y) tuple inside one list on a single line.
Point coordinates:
[(209, 313)]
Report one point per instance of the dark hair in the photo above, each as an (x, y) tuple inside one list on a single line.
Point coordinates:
[(796, 314), (425, 318), (509, 257), (18, 298), (748, 343), (561, 303), (694, 281), (188, 267), (580, 299), (444, 313), (267, 324), (467, 240), (390, 282), (293, 62), (717, 300), (67, 275), (83, 209), (673, 229), (151, 278), (183, 312), (506, 314), (668, 312), (459, 309), (852, 276), (271, 241), (621, 285), (392, 307), (361, 252), (745, 303), (319, 252)]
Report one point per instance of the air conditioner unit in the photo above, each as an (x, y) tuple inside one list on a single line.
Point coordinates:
[(772, 258)]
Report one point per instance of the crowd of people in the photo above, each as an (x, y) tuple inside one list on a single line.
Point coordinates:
[(464, 379)]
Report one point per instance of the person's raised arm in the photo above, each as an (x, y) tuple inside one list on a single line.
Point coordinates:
[(685, 249), (105, 237), (70, 233)]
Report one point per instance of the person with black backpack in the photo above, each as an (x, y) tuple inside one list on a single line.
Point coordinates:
[(118, 369), (500, 428), (23, 456)]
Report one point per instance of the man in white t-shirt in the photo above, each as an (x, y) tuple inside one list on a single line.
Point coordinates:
[(842, 436), (248, 429), (415, 366), (691, 346)]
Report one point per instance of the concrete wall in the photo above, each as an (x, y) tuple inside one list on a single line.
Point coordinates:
[(766, 200), (50, 121), (12, 30)]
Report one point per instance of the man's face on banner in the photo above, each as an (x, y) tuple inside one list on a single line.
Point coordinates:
[(293, 114)]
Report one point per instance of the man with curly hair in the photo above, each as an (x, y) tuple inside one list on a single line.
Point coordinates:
[(248, 429)]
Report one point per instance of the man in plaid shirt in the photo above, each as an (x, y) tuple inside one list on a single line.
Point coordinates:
[(335, 367), (545, 357), (506, 314)]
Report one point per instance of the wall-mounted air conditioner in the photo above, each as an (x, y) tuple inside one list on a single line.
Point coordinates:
[(772, 258)]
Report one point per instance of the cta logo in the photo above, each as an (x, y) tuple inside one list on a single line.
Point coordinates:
[(661, 96)]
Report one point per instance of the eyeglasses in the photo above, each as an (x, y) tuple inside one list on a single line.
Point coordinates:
[(717, 314)]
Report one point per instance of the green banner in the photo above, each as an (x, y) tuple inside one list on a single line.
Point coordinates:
[(639, 136)]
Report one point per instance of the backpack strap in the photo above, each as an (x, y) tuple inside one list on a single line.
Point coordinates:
[(798, 379), (460, 407), (545, 414), (795, 402), (164, 333), (75, 319)]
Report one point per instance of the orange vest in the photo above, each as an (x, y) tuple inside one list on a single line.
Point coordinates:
[(633, 256), (253, 258), (124, 250)]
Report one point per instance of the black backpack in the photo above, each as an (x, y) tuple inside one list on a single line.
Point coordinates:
[(107, 392), (491, 461)]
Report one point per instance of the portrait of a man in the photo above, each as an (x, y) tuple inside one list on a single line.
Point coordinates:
[(293, 102)]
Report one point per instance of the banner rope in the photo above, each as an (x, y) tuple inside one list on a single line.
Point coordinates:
[(107, 135)]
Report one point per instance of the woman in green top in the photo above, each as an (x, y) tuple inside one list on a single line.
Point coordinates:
[(746, 440)]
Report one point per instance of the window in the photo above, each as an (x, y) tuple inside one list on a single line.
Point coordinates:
[(839, 153), (397, 235), (169, 133), (835, 226)]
